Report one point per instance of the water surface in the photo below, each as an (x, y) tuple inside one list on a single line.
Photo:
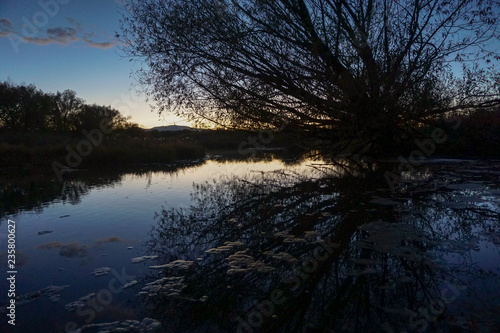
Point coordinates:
[(259, 246)]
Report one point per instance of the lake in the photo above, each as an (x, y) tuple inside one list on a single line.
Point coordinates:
[(262, 245)]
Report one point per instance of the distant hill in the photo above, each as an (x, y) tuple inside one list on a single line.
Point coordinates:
[(170, 128)]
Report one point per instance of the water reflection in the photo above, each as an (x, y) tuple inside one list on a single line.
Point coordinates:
[(33, 192), (331, 250), (20, 193)]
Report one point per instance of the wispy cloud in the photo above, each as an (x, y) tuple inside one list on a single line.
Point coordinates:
[(74, 22), (62, 35), (59, 35), (100, 45), (6, 27), (90, 35), (37, 41)]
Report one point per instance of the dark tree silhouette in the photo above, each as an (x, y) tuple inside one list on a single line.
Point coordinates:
[(90, 116), (67, 106), (24, 108), (363, 73)]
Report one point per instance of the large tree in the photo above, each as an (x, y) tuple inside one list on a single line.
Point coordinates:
[(366, 72)]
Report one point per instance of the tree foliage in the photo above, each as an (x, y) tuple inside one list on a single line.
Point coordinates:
[(26, 109), (366, 71)]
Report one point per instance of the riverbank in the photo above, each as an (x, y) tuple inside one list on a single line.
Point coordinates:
[(71, 154)]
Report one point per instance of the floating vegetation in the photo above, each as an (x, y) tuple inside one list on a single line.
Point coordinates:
[(289, 238), (175, 265), (242, 262), (294, 240), (220, 249), (70, 250), (147, 325), (130, 284), (283, 256), (73, 306), (50, 245), (79, 303), (51, 292), (167, 286), (311, 235), (228, 246), (112, 239), (141, 259), (55, 298), (101, 271), (284, 234), (234, 244)]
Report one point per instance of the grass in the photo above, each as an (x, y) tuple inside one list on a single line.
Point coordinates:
[(113, 153), (143, 152)]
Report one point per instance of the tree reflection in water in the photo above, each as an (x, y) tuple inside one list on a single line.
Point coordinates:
[(20, 193), (327, 251)]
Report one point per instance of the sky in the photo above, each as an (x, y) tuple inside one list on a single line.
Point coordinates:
[(70, 44)]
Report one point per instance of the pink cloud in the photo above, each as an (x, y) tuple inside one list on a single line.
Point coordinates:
[(100, 45)]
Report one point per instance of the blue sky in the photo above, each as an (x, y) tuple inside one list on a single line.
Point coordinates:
[(70, 44)]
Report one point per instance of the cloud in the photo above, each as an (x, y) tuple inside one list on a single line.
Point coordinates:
[(63, 36), (6, 23), (38, 41), (74, 22), (90, 35), (100, 45), (6, 27)]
